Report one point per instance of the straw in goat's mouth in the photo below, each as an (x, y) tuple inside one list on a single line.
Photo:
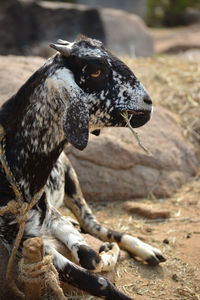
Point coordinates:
[(127, 115)]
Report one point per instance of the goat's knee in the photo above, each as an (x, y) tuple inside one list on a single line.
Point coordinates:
[(87, 257)]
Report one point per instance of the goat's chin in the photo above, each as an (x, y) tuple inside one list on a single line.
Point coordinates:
[(140, 120), (136, 118)]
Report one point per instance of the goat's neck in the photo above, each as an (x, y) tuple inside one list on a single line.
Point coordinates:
[(35, 144)]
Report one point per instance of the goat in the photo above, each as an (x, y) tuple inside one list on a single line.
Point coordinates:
[(80, 89)]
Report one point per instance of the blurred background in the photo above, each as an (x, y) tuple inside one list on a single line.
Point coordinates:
[(125, 26)]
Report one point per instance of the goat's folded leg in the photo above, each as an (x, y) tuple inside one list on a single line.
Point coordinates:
[(88, 222), (63, 230), (84, 279)]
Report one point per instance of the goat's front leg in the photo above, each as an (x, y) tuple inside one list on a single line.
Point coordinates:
[(88, 222)]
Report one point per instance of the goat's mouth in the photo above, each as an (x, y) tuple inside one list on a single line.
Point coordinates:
[(137, 118), (133, 112)]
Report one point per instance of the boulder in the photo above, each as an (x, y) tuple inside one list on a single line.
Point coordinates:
[(14, 71), (138, 7), (126, 34), (113, 167), (31, 26)]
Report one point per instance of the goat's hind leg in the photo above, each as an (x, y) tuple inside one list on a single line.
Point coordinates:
[(88, 222)]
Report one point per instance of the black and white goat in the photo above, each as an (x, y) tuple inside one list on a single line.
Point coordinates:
[(79, 90)]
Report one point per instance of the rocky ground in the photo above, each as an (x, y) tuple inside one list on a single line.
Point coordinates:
[(173, 83)]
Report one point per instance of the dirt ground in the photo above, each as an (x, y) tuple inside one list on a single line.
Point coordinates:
[(178, 238)]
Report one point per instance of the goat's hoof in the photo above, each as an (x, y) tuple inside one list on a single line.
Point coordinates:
[(154, 260), (147, 253), (155, 257)]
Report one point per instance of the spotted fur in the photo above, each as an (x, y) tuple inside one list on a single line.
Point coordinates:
[(61, 103)]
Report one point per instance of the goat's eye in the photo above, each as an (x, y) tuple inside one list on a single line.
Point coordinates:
[(96, 74)]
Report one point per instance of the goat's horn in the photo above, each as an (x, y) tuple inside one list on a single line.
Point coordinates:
[(65, 51), (63, 42)]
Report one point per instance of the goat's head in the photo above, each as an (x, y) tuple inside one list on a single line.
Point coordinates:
[(97, 88)]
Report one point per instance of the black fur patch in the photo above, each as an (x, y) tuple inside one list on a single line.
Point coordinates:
[(114, 235), (42, 205), (70, 186)]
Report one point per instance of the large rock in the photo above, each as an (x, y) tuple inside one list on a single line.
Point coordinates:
[(126, 34), (31, 26), (138, 7), (14, 71), (113, 167)]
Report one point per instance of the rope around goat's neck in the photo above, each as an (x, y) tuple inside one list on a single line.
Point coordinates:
[(19, 208)]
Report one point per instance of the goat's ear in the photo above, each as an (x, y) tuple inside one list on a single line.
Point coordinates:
[(76, 123), (75, 109)]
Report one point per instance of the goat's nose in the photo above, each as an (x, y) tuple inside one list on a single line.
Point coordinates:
[(147, 100)]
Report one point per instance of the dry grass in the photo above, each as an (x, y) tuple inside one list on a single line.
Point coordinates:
[(176, 279)]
